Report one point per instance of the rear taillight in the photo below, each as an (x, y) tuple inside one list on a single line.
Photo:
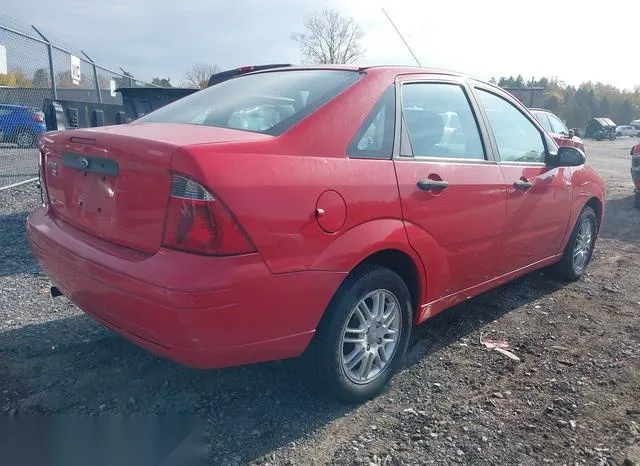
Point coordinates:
[(197, 222)]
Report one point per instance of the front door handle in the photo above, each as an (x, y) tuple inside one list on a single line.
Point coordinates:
[(432, 185), (522, 185)]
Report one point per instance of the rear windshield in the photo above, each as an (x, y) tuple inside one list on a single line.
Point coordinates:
[(268, 103)]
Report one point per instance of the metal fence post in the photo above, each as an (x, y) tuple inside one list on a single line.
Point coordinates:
[(52, 74), (95, 75)]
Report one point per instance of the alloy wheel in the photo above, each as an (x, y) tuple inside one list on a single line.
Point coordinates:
[(370, 336), (583, 246)]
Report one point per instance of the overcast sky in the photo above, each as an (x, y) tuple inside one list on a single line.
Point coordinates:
[(485, 38)]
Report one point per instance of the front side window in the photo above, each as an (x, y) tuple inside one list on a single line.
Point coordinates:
[(269, 103), (440, 122), (517, 138), (557, 125)]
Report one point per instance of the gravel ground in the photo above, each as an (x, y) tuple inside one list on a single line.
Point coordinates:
[(574, 398), (16, 165)]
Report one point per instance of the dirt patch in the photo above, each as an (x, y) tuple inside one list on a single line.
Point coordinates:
[(573, 398)]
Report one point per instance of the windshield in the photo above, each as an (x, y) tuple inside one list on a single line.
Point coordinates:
[(269, 103)]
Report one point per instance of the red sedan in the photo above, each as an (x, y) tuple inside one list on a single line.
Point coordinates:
[(322, 211), (557, 129)]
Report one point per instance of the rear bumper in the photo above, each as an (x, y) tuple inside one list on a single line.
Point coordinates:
[(203, 312)]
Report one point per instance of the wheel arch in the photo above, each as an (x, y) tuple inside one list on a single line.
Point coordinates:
[(596, 204), (401, 263)]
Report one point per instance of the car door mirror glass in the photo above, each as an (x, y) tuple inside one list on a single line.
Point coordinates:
[(566, 157)]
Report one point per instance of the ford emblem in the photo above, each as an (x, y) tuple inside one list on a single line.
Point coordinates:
[(83, 163)]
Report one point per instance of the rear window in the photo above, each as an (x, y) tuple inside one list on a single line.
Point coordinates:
[(268, 103)]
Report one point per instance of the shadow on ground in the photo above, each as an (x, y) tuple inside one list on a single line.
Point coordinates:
[(621, 220), (73, 365), (15, 254)]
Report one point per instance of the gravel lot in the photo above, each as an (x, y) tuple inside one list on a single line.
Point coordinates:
[(16, 165), (574, 398)]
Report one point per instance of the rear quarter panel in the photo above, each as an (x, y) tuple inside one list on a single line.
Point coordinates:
[(273, 186)]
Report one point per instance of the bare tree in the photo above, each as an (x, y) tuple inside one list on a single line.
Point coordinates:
[(198, 75), (330, 38)]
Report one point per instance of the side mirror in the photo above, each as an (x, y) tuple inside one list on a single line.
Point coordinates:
[(566, 157), (572, 133)]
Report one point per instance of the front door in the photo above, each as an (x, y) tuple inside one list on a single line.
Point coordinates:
[(538, 196), (452, 192)]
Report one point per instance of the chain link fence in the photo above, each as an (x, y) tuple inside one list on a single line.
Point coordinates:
[(34, 68)]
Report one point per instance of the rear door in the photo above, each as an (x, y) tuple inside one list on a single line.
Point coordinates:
[(538, 196), (452, 191)]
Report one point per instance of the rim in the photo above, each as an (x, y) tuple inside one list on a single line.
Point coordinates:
[(370, 336), (24, 139), (582, 248)]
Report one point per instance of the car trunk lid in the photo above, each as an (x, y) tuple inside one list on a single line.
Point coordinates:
[(114, 182)]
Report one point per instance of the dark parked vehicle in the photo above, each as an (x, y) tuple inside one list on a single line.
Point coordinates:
[(600, 128), (21, 125)]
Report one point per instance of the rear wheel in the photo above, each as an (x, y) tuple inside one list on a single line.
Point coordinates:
[(361, 341), (577, 254), (636, 202), (25, 138)]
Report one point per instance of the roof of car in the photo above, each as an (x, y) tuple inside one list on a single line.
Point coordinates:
[(397, 69)]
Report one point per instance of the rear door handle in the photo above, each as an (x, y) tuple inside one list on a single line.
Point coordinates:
[(432, 185), (522, 185)]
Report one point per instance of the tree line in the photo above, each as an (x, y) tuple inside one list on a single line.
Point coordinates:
[(330, 38), (577, 105)]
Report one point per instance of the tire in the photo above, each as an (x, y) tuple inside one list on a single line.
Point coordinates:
[(329, 356), (570, 267), (25, 138), (636, 202)]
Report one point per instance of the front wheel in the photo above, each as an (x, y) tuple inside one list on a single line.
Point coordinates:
[(577, 254), (636, 202), (361, 341)]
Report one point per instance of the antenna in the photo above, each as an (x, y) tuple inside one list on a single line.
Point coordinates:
[(405, 42)]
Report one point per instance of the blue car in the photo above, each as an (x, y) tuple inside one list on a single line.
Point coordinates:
[(21, 125)]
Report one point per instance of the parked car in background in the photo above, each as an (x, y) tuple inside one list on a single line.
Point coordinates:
[(315, 211), (563, 136), (600, 128), (627, 130), (21, 125), (635, 173)]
